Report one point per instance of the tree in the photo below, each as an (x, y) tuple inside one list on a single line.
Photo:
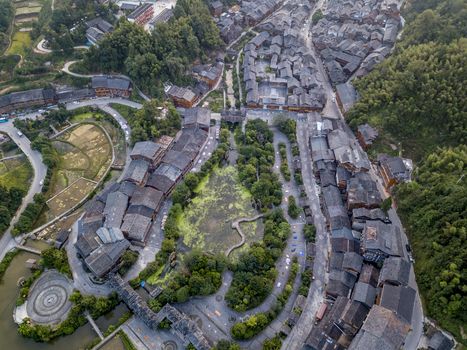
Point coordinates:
[(386, 204), (293, 209), (309, 231)]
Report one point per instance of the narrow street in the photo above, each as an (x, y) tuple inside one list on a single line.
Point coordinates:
[(297, 337)]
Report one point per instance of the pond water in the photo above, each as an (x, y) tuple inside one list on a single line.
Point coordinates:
[(11, 340), (222, 199)]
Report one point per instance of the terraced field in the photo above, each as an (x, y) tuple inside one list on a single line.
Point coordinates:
[(85, 155)]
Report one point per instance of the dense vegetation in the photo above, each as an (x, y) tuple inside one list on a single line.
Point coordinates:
[(55, 26), (96, 306), (256, 158), (153, 120), (7, 12), (418, 94), (293, 209), (201, 275), (417, 97), (11, 200), (434, 208), (274, 343), (164, 55), (255, 272), (7, 259), (182, 285), (284, 168), (256, 323)]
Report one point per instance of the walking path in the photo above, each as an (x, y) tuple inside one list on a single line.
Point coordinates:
[(94, 326), (236, 226)]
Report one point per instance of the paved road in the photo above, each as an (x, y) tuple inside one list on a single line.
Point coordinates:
[(297, 337), (7, 242)]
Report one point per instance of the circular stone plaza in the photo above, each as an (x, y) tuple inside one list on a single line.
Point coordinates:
[(48, 299)]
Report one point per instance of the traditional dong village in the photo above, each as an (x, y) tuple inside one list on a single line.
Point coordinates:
[(233, 174)]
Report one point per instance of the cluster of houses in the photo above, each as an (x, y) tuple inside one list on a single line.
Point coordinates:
[(370, 302), (355, 35), (96, 29), (123, 213), (237, 17), (279, 71), (180, 324), (101, 86), (207, 77)]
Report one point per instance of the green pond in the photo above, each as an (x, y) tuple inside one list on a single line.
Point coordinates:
[(221, 199), (11, 340)]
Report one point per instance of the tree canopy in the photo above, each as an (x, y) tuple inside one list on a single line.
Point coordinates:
[(434, 209), (163, 55)]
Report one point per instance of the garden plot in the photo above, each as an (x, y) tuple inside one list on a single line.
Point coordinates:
[(206, 222), (85, 155), (16, 172), (70, 196)]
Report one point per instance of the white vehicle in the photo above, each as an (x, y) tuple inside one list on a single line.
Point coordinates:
[(41, 182), (20, 134), (279, 284)]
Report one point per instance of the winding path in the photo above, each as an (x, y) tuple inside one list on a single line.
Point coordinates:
[(236, 226)]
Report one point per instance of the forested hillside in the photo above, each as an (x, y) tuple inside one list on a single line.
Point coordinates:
[(418, 97), (434, 210), (164, 55)]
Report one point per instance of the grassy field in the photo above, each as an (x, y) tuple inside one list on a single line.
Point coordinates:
[(20, 42), (125, 111), (206, 222), (215, 101), (16, 173)]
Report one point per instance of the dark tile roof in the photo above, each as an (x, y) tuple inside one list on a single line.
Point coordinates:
[(160, 182), (396, 271), (177, 159), (364, 293), (136, 227), (104, 258), (352, 262), (145, 201), (369, 274), (86, 243), (115, 208), (137, 170), (110, 82), (146, 149), (399, 299), (381, 237), (362, 192), (139, 11), (382, 330), (439, 341), (197, 116)]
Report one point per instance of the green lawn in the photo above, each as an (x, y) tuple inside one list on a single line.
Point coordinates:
[(20, 42), (125, 111), (16, 173)]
